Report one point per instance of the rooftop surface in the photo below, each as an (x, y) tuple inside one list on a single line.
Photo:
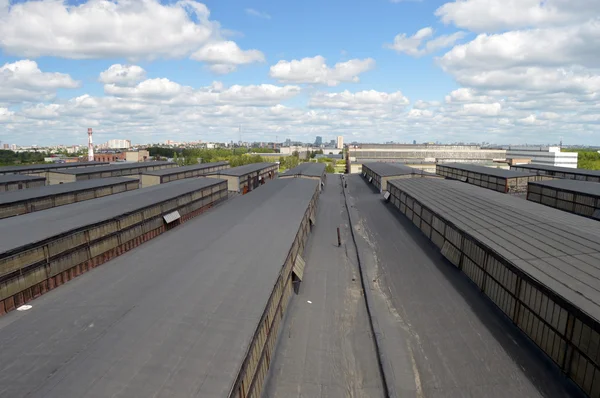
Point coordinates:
[(38, 226), (310, 169), (20, 169), (112, 167), (585, 187), (558, 249), (51, 190), (492, 171), (243, 170), (5, 179), (569, 170), (183, 169), (384, 169), (171, 318)]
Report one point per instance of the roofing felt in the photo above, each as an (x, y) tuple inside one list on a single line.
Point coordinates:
[(8, 178), (33, 167), (113, 167), (556, 169), (58, 189), (576, 186), (560, 250), (183, 169), (309, 169), (243, 170), (38, 226), (174, 317), (492, 171), (384, 169)]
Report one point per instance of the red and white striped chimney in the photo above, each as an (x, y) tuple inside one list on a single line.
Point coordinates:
[(90, 147)]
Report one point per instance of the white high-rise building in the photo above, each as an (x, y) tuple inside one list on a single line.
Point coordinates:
[(549, 156), (340, 142), (117, 144)]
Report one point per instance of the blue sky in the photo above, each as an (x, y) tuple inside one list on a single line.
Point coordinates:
[(475, 71)]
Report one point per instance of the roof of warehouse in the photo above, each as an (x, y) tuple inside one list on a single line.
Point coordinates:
[(31, 228), (384, 169), (560, 250), (51, 190), (111, 167), (585, 187), (19, 169), (310, 169), (243, 170), (4, 179), (183, 169), (533, 167), (173, 317), (492, 171)]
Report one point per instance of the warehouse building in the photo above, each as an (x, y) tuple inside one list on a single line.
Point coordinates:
[(505, 181), (579, 197), (244, 179), (113, 170), (310, 170), (537, 264), (45, 197), (559, 172), (43, 169), (195, 313), (15, 182), (379, 173), (156, 177), (405, 153), (41, 250), (544, 155)]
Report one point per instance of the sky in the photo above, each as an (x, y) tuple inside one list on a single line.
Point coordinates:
[(500, 71)]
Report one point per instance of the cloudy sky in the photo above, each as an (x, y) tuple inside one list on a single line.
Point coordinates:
[(503, 71)]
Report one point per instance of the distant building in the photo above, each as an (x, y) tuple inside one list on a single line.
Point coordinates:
[(414, 142), (319, 141), (117, 144), (549, 156), (6, 146), (332, 143), (13, 147), (340, 142), (288, 142)]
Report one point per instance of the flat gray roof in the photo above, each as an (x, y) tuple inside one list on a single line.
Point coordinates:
[(51, 190), (533, 167), (8, 178), (384, 169), (33, 167), (31, 228), (173, 317), (112, 167), (492, 171), (183, 169), (558, 249), (243, 170), (310, 169), (584, 187)]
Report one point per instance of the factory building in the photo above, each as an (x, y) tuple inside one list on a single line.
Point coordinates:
[(560, 172), (201, 308), (537, 264), (505, 181), (379, 173), (549, 156), (42, 170), (113, 170), (45, 197), (244, 179), (156, 177), (579, 197), (42, 250), (16, 182), (311, 170)]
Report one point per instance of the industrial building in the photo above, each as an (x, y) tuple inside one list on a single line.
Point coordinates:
[(560, 172), (505, 181), (195, 313), (156, 177), (45, 197), (537, 264), (41, 250), (43, 169), (15, 182), (579, 197), (549, 156), (379, 173), (113, 170), (244, 179), (311, 170)]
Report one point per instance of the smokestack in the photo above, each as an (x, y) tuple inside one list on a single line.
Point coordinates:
[(90, 147)]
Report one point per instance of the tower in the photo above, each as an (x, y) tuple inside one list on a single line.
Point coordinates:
[(90, 147)]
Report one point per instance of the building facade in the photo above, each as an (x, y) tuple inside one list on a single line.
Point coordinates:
[(340, 142), (549, 156)]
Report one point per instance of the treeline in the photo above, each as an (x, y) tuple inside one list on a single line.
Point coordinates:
[(10, 158), (587, 159)]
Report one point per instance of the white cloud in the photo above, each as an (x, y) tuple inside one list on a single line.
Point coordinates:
[(418, 44), (315, 70), (420, 104), (124, 75), (482, 109), (5, 114), (258, 14), (24, 81), (225, 56), (358, 100)]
